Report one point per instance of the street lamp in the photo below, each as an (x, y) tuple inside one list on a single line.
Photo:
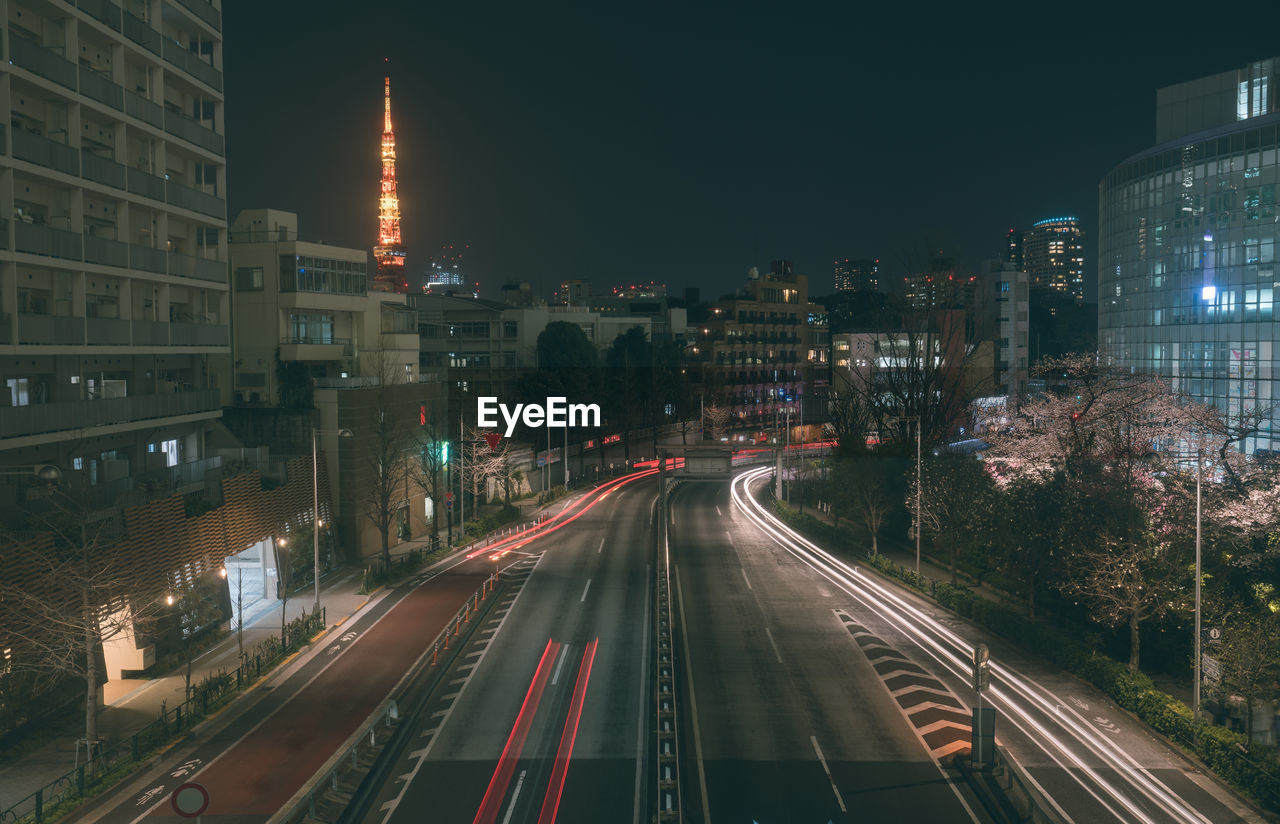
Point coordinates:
[(315, 502)]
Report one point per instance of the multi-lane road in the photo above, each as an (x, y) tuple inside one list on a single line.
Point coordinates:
[(807, 691)]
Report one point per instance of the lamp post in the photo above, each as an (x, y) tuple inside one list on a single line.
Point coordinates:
[(315, 500), (1195, 690)]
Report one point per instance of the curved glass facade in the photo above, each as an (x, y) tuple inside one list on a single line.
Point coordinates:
[(1188, 237)]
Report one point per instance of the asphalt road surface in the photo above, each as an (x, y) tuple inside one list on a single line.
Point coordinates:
[(551, 721), (793, 722)]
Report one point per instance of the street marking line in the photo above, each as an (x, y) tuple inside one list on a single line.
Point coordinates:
[(584, 591), (744, 577), (827, 770), (564, 653), (693, 700), (506, 819), (718, 512), (600, 548), (773, 644)]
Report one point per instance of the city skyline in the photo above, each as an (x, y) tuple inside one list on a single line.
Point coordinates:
[(510, 134)]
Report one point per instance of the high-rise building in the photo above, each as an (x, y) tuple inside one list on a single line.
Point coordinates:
[(573, 292), (1053, 255), (1187, 247), (857, 275), (1013, 250), (114, 301), (390, 251), (1006, 306), (939, 288), (641, 290), (446, 275)]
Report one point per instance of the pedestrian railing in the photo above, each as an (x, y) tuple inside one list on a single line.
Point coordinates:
[(108, 764)]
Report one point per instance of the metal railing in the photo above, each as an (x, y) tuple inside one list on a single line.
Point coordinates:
[(190, 130), (196, 200), (146, 184), (197, 334), (144, 257), (108, 332), (150, 333)]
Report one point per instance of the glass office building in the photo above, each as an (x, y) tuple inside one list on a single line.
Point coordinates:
[(1187, 246)]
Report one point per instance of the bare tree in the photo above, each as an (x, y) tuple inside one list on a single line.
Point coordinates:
[(386, 442), (67, 591), (428, 472), (849, 414), (197, 608), (479, 462), (715, 420), (1127, 582)]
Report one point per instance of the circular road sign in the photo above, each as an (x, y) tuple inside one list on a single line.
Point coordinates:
[(190, 800)]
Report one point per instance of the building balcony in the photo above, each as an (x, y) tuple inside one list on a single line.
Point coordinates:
[(205, 11), (108, 332), (315, 349), (5, 323), (197, 267), (150, 333), (146, 184), (102, 170), (104, 11), (45, 152), (142, 34), (102, 89), (142, 108), (196, 200), (55, 417), (106, 251), (50, 330), (197, 334), (194, 132), (38, 239), (178, 55), (37, 59), (146, 258)]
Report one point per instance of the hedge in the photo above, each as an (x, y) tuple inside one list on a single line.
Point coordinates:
[(1255, 771)]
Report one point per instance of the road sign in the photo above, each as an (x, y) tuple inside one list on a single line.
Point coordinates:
[(1213, 635), (189, 800)]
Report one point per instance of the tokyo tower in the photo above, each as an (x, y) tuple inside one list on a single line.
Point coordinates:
[(389, 252)]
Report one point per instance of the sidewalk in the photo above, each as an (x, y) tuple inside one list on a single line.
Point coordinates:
[(132, 704)]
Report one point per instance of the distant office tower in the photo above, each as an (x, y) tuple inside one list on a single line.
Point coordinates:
[(573, 292), (642, 290), (1013, 254), (857, 275), (1188, 246), (939, 288), (1053, 255), (389, 252), (446, 275)]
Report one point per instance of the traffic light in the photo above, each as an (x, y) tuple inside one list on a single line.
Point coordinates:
[(1075, 416)]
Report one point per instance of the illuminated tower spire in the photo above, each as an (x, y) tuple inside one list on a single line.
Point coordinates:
[(389, 252)]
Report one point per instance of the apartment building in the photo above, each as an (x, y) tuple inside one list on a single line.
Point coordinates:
[(309, 303), (114, 302)]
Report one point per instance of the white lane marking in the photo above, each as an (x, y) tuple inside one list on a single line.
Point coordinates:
[(824, 592), (693, 700), (744, 577), (600, 548), (584, 591), (827, 770), (643, 705), (564, 653), (728, 537), (506, 819), (773, 644), (718, 512)]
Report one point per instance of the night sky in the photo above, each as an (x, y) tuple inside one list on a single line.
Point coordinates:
[(685, 145)]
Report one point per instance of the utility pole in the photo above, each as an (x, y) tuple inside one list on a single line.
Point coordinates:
[(1195, 690)]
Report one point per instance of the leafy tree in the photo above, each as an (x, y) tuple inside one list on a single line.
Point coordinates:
[(1127, 583), (387, 444), (197, 607), (865, 491), (628, 386), (1250, 660)]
